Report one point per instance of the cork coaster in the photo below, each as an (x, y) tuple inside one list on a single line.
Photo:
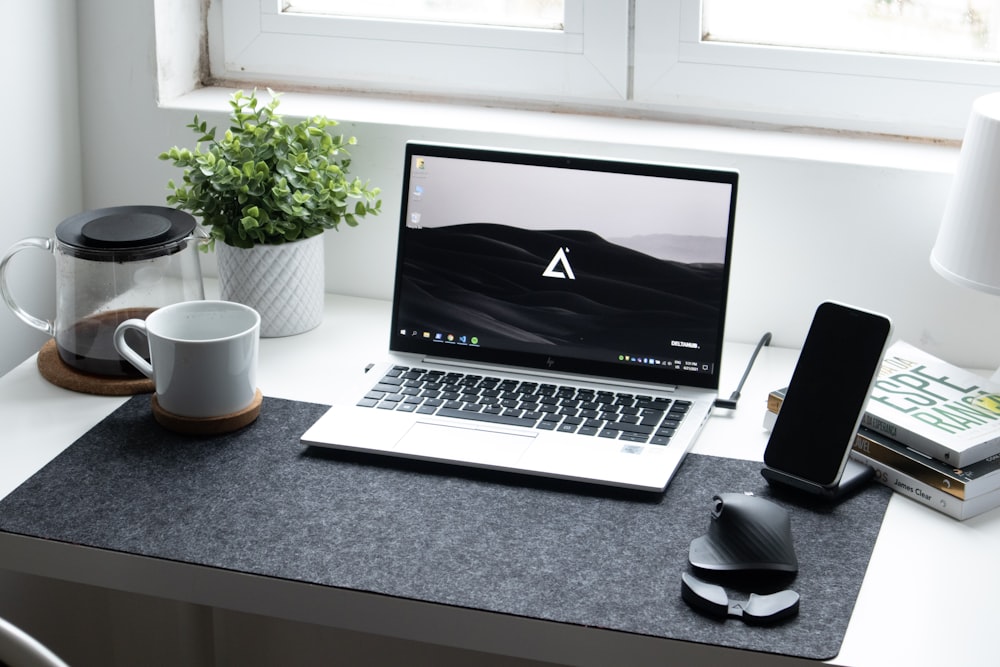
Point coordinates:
[(208, 425), (58, 372)]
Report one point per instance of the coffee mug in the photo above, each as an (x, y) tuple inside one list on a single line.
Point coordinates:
[(202, 356)]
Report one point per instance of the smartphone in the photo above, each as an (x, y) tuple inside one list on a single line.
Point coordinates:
[(826, 397)]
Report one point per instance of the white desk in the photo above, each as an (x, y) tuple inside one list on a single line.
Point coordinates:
[(928, 597)]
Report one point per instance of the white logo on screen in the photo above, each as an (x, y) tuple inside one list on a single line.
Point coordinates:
[(559, 259)]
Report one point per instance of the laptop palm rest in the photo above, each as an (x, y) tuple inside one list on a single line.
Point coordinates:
[(474, 445)]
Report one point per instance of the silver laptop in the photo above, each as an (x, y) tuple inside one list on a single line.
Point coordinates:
[(553, 315)]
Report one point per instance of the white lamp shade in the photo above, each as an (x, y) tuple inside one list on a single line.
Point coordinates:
[(967, 250)]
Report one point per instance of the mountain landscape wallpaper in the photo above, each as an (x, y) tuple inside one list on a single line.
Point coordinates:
[(487, 280)]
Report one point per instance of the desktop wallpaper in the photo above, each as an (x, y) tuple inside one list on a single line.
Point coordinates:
[(527, 289)]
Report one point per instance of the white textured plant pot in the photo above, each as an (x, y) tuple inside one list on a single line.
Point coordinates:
[(284, 283)]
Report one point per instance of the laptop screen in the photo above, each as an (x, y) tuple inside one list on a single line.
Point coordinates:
[(570, 264)]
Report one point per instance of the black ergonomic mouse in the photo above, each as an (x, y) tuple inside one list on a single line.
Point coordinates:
[(745, 533)]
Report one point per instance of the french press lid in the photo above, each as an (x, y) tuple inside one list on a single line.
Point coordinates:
[(127, 232)]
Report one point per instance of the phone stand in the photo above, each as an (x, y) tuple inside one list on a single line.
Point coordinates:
[(854, 476)]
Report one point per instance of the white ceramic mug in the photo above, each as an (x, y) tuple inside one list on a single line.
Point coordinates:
[(202, 356)]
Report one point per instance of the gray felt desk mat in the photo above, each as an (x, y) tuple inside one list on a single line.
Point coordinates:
[(255, 501)]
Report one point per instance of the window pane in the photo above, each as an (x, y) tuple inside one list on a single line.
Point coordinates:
[(960, 29), (542, 14)]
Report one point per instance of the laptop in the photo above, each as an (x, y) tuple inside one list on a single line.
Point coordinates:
[(553, 315)]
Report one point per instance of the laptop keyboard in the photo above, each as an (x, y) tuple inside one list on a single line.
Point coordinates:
[(603, 414)]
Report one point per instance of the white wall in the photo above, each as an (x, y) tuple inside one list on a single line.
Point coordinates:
[(41, 174)]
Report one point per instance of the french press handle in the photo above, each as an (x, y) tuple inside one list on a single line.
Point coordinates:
[(46, 326)]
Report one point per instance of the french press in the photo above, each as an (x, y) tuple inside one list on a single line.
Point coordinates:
[(112, 264)]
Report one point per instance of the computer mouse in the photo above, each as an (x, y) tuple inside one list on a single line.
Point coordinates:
[(745, 532)]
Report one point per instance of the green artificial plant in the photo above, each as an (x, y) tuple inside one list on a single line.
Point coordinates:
[(267, 181)]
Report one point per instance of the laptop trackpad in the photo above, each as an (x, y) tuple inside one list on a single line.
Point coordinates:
[(458, 443)]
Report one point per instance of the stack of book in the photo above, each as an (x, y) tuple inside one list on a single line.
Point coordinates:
[(931, 431)]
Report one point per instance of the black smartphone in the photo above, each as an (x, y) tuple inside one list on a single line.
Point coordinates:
[(826, 397)]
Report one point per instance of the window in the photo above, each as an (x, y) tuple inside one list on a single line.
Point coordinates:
[(541, 14), (656, 58), (799, 87), (956, 29), (583, 57)]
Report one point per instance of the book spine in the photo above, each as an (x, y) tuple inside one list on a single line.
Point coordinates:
[(919, 442), (912, 488), (774, 400), (926, 473)]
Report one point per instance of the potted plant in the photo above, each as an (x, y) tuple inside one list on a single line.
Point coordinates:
[(265, 191)]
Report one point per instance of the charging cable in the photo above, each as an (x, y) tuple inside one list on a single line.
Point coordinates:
[(730, 403)]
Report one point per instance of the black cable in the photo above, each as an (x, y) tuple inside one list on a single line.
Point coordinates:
[(730, 403)]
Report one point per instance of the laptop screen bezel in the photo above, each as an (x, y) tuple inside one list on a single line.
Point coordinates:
[(548, 362)]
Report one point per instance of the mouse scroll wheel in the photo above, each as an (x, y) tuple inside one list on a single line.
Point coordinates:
[(717, 507)]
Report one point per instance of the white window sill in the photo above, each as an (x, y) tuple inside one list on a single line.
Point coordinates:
[(621, 137)]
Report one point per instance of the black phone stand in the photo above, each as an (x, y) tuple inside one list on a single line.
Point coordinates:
[(854, 476)]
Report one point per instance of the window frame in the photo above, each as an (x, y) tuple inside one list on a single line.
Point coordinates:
[(636, 58)]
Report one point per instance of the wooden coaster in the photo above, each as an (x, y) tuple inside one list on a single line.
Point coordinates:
[(58, 372), (208, 425)]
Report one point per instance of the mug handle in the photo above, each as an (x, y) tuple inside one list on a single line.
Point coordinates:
[(43, 244), (126, 351)]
